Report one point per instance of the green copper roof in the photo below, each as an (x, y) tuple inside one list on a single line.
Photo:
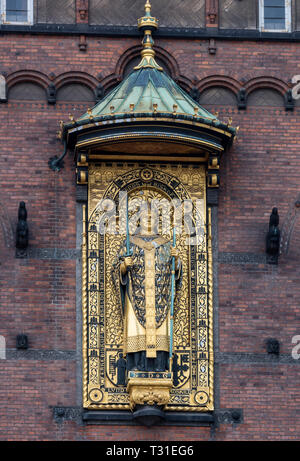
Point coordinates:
[(148, 94), (141, 90)]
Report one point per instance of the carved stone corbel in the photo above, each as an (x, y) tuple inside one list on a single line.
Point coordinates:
[(22, 232), (82, 8), (51, 94), (212, 12), (149, 391), (242, 99)]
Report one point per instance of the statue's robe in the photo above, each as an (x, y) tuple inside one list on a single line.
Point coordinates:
[(145, 292)]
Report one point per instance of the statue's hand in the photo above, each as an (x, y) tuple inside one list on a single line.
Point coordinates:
[(128, 261), (174, 252)]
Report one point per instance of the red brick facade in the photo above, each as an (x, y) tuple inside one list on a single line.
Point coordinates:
[(256, 300)]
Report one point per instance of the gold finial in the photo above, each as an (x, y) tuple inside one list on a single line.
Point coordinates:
[(148, 6), (148, 20), (60, 132), (175, 107), (131, 107), (89, 111), (155, 108), (71, 117), (148, 24), (235, 139), (229, 122), (112, 109), (196, 110)]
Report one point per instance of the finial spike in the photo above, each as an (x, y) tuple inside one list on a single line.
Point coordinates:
[(71, 117), (148, 6), (148, 24)]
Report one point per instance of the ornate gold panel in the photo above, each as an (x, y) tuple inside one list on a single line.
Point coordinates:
[(192, 377)]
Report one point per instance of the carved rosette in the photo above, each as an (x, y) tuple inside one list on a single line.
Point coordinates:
[(149, 391)]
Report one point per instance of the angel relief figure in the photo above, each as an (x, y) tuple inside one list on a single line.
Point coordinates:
[(142, 276)]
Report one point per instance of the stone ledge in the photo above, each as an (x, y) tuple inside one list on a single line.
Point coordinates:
[(245, 358), (132, 31), (112, 418), (53, 253), (126, 417), (39, 354), (226, 358), (242, 258)]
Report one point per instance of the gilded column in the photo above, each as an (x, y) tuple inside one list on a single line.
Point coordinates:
[(210, 310), (84, 306), (150, 303)]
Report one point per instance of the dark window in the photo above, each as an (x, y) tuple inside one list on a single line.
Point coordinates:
[(16, 11), (75, 92), (274, 14), (265, 97), (55, 11), (217, 96), (27, 91), (171, 13), (135, 62), (235, 14)]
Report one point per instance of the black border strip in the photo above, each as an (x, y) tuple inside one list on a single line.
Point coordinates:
[(126, 417), (132, 31)]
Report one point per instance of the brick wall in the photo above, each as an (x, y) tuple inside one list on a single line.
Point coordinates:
[(256, 301)]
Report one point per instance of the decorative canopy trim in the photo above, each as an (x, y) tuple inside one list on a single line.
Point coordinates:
[(217, 129)]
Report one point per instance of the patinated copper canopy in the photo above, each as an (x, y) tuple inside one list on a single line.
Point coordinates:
[(148, 116)]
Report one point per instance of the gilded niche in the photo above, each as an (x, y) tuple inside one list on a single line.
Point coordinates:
[(147, 288)]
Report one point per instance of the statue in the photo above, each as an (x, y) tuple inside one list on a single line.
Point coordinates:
[(144, 283), (22, 231), (273, 238), (121, 370)]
